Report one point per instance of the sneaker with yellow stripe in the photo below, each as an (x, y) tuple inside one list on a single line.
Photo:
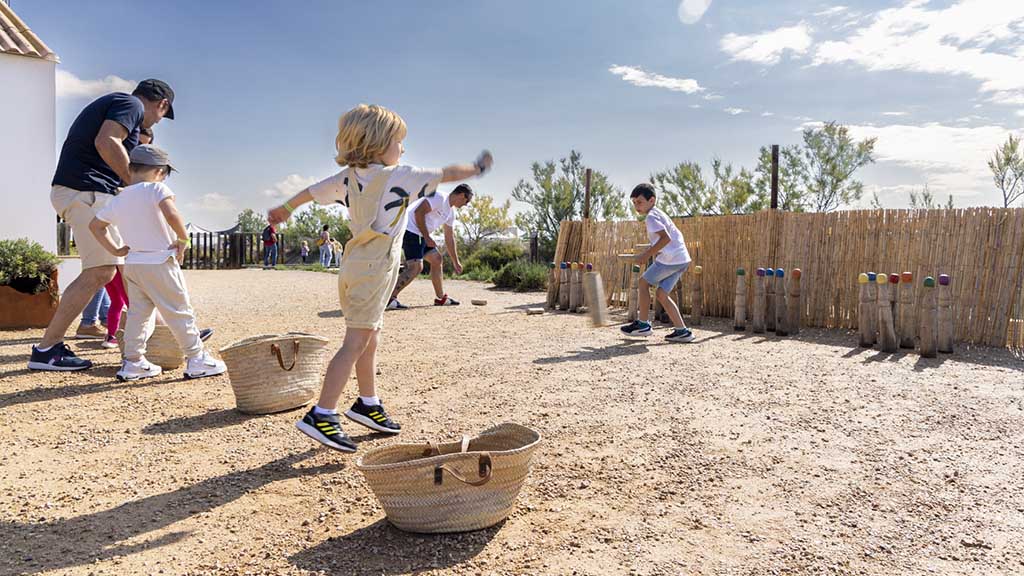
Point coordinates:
[(326, 429), (373, 417)]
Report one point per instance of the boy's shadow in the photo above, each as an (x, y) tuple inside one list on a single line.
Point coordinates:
[(33, 547), (628, 347)]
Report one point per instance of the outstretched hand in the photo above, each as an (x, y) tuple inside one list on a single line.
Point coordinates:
[(277, 215), (484, 161), (122, 251)]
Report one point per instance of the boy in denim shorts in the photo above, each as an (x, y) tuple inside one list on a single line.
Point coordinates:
[(671, 259)]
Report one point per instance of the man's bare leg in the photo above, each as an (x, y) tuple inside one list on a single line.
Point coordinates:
[(73, 301), (412, 270), (436, 272)]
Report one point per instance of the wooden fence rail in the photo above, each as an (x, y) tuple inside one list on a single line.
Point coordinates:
[(982, 249)]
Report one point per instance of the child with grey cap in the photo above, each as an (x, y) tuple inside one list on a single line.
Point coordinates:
[(154, 244)]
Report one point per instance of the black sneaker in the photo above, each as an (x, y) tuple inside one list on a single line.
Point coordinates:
[(394, 304), (637, 328), (326, 429), (59, 358), (205, 334), (680, 335), (373, 417)]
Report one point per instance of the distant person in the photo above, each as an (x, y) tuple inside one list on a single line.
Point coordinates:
[(325, 244), (269, 246), (93, 166), (304, 251), (336, 252), (375, 188), (155, 241), (671, 259), (426, 215)]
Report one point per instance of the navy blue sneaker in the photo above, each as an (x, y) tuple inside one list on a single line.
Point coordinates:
[(59, 358), (326, 429), (373, 417), (205, 334), (680, 335), (637, 328)]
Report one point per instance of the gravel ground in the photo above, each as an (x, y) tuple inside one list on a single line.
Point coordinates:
[(736, 454)]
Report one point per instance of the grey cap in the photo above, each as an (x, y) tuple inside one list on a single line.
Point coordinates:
[(150, 155)]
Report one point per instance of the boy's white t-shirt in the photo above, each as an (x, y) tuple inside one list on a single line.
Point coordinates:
[(675, 253), (405, 185), (136, 213), (441, 212)]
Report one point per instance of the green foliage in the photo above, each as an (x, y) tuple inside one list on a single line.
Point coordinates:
[(494, 256), (830, 157), (683, 191), (482, 219), (307, 224), (1007, 166), (26, 264), (250, 220), (791, 196), (522, 276), (557, 194)]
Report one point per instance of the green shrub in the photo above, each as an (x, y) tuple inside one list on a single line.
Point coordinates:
[(25, 265), (494, 255), (481, 273), (522, 276)]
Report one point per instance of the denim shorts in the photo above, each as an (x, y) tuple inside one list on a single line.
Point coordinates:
[(664, 276)]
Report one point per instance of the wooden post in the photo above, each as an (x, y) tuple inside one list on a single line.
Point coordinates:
[(894, 284), (793, 306), (697, 307), (873, 295), (775, 177), (907, 324), (929, 320), (586, 195), (769, 298), (758, 322), (633, 301), (574, 287), (945, 316), (886, 330), (740, 321), (865, 312), (780, 303), (553, 282), (563, 286), (593, 288), (584, 300)]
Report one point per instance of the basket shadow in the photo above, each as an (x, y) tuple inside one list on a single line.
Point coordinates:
[(63, 543), (330, 314), (210, 420), (383, 549), (107, 383)]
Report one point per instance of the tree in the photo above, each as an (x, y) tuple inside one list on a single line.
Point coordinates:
[(250, 220), (830, 157), (557, 194), (1007, 168), (307, 224), (683, 191), (791, 197), (925, 200), (482, 219), (735, 194)]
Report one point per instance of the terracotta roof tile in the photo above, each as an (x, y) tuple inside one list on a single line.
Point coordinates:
[(16, 38)]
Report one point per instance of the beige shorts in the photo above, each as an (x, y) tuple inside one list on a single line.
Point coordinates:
[(78, 208), (367, 277)]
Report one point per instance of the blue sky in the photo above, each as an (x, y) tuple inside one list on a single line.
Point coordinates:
[(635, 86)]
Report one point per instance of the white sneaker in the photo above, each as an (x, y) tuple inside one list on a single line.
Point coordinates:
[(205, 364), (138, 370)]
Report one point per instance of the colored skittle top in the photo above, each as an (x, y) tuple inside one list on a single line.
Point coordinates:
[(863, 278), (740, 272), (795, 273), (698, 269), (882, 279), (759, 272), (780, 273), (943, 280), (894, 278), (872, 277), (907, 277), (929, 282), (769, 272)]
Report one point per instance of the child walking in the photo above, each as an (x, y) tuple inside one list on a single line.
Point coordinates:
[(155, 242), (671, 259), (118, 301), (376, 191)]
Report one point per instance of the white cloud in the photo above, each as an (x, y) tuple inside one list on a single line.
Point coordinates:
[(691, 11), (639, 77), (894, 113), (767, 48), (952, 159), (71, 86), (767, 114), (733, 111), (1020, 112), (213, 202), (833, 11), (979, 39), (290, 186)]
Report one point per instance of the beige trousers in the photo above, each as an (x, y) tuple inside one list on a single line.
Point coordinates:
[(158, 287)]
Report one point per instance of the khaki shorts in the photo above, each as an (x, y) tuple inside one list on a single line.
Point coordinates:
[(78, 208), (367, 277)]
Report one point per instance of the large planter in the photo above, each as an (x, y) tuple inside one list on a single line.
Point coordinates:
[(19, 310)]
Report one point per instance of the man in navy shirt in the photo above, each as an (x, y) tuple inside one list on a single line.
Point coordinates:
[(93, 166)]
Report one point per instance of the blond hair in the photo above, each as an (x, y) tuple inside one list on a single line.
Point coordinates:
[(364, 134)]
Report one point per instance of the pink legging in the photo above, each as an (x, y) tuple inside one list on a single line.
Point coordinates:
[(118, 300)]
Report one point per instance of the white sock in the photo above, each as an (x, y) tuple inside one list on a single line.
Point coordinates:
[(47, 349), (324, 411), (370, 400)]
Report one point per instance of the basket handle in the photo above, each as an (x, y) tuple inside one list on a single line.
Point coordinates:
[(484, 471), (434, 449), (276, 350)]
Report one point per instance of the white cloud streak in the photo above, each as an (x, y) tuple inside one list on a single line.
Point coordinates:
[(639, 77), (290, 186), (70, 86), (691, 11), (767, 48)]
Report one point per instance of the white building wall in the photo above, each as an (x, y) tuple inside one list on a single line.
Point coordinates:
[(27, 145)]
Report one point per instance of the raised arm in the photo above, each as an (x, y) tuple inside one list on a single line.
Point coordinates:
[(109, 143), (457, 172), (277, 215)]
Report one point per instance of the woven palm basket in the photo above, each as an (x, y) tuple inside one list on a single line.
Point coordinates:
[(275, 372), (161, 348), (452, 487)]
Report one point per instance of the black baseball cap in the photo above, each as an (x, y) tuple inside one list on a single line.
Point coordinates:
[(155, 90)]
